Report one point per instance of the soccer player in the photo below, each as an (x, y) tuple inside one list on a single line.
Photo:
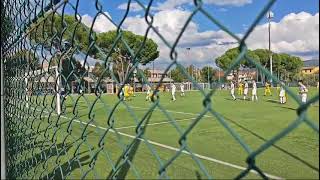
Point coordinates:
[(149, 94), (173, 92), (131, 93), (182, 90), (282, 94), (126, 92), (303, 91), (240, 89), (246, 90), (232, 87), (254, 91), (267, 89)]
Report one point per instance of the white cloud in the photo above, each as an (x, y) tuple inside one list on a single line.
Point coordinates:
[(135, 7), (171, 4), (294, 34), (102, 23), (204, 45)]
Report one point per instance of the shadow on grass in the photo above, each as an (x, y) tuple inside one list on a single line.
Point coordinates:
[(275, 146), (33, 162), (122, 168), (68, 167), (289, 108), (273, 101), (198, 175)]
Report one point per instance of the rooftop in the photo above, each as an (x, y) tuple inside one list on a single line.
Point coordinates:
[(311, 63)]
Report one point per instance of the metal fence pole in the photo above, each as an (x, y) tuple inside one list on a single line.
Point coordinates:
[(3, 142), (58, 89)]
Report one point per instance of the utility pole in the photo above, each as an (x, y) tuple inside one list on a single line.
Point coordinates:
[(270, 15)]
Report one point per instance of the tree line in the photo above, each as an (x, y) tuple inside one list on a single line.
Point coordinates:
[(66, 36), (285, 67)]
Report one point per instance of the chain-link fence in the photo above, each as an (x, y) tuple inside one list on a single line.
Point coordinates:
[(52, 126)]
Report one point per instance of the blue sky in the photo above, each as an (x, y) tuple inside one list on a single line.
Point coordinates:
[(294, 30), (235, 18)]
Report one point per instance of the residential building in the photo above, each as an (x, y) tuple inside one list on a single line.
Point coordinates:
[(310, 67), (156, 75)]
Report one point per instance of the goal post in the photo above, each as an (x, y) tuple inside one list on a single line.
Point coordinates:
[(43, 81)]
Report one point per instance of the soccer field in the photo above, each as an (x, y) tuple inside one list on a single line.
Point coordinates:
[(88, 151)]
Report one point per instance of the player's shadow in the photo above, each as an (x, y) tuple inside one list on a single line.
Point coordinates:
[(128, 156), (289, 108), (274, 145), (273, 101)]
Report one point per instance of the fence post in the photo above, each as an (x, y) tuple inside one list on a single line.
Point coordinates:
[(3, 142)]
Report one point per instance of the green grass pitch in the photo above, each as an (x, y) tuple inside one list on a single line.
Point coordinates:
[(294, 156)]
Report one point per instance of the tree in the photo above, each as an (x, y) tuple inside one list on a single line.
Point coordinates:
[(147, 72), (6, 25), (224, 62), (56, 29), (99, 71), (71, 69), (26, 58), (287, 67), (264, 58), (121, 56), (176, 75), (206, 72)]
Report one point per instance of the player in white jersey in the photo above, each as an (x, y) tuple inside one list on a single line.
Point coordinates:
[(148, 97), (182, 90), (303, 91), (246, 90), (282, 94), (254, 91), (232, 89), (173, 92)]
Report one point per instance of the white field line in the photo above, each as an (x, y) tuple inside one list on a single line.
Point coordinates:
[(153, 124), (135, 107), (176, 149)]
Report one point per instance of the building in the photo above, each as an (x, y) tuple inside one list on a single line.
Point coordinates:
[(310, 67), (156, 75), (244, 74)]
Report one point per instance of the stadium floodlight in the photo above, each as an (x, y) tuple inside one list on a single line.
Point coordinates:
[(270, 15)]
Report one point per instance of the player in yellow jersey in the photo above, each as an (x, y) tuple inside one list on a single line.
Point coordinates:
[(240, 88), (267, 89), (126, 92), (131, 92)]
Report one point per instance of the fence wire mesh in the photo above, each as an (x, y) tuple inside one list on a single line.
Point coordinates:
[(53, 133)]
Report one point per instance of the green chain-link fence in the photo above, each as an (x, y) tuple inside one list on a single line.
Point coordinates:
[(48, 136)]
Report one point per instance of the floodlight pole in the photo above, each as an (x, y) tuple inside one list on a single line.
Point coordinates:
[(270, 15)]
